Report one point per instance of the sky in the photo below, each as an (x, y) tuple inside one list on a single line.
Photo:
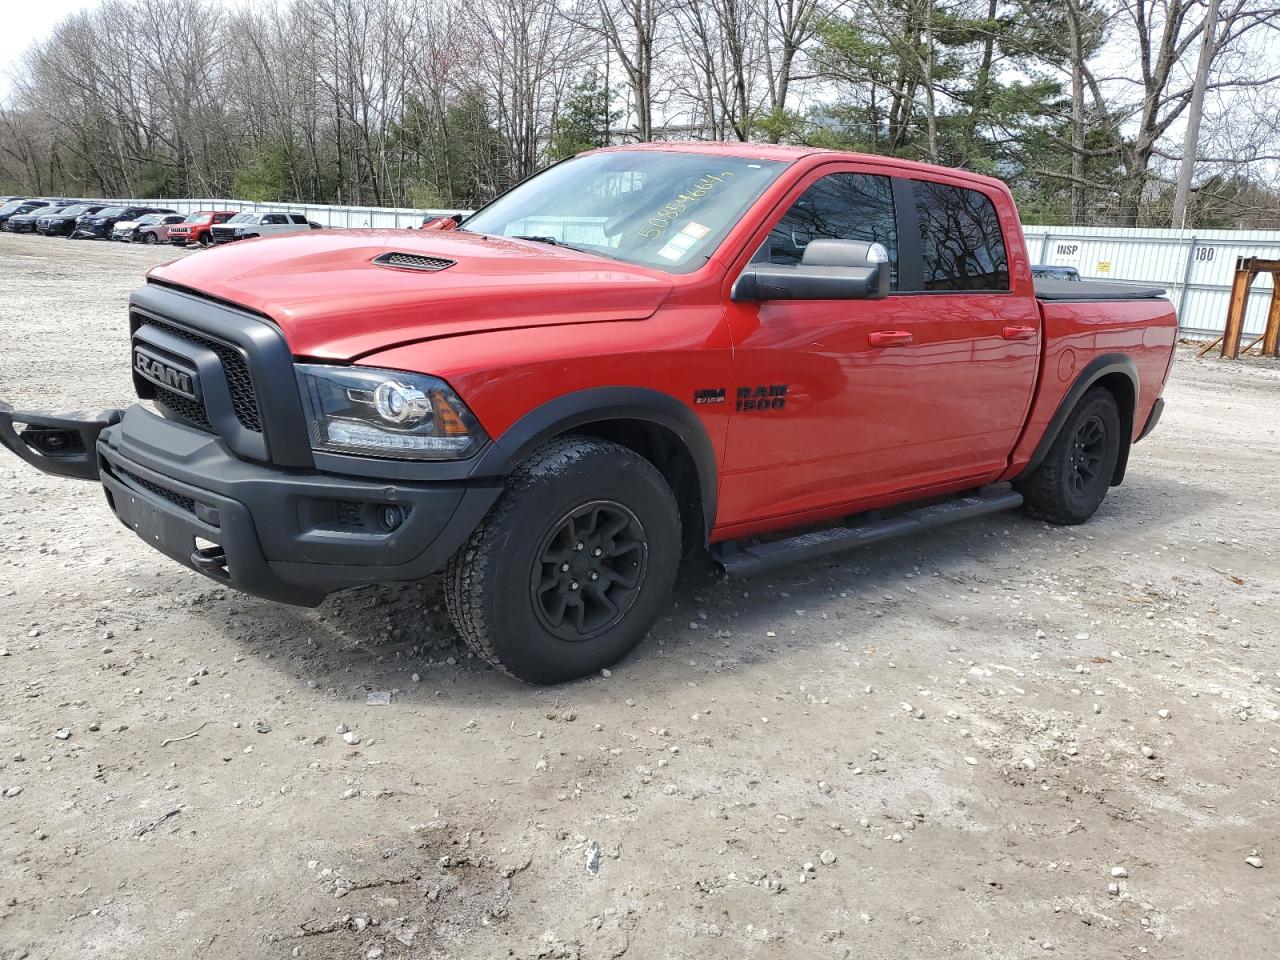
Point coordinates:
[(26, 21)]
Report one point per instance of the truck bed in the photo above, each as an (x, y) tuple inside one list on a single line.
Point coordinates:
[(1091, 291), (1084, 324)]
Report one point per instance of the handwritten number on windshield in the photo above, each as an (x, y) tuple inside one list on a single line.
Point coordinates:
[(662, 218)]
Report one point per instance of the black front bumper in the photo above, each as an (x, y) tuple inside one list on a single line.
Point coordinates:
[(292, 536), (288, 535)]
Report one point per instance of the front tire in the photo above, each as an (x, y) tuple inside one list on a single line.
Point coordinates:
[(1072, 481), (150, 238), (572, 565)]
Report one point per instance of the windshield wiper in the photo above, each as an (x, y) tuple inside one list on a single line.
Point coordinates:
[(552, 241)]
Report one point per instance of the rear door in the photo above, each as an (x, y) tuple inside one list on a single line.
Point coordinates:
[(838, 403), (984, 327)]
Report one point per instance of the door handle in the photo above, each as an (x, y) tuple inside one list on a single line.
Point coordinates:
[(889, 338), (1018, 333)]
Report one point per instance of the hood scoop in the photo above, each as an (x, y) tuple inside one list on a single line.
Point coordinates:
[(413, 261)]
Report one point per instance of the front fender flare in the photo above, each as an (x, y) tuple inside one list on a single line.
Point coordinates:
[(564, 413)]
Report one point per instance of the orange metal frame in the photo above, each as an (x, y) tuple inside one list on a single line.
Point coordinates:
[(1247, 270)]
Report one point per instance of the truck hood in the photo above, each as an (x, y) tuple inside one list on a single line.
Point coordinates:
[(332, 301)]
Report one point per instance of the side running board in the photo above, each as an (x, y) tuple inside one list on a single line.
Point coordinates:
[(752, 557)]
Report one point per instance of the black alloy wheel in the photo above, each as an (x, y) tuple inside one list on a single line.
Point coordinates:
[(572, 564), (1088, 450), (589, 570), (1073, 479)]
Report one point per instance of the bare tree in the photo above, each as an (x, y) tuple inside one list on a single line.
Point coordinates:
[(436, 103), (790, 24), (1162, 33), (634, 31)]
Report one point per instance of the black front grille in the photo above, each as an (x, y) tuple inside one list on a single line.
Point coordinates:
[(184, 408), (243, 397), (164, 493)]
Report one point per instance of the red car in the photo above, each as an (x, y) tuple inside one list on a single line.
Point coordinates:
[(195, 228), (772, 352)]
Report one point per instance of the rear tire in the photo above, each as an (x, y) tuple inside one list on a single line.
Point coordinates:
[(1072, 481), (571, 566)]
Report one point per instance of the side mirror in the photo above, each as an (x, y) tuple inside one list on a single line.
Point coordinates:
[(441, 223), (828, 270)]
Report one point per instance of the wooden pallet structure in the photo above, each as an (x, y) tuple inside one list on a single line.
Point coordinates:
[(1247, 271)]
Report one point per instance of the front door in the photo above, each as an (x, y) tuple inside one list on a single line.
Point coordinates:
[(841, 402)]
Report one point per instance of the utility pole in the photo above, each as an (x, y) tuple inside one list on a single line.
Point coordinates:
[(1191, 142), (1079, 200)]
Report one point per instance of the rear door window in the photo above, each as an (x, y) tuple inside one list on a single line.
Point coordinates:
[(962, 245), (840, 206), (297, 218)]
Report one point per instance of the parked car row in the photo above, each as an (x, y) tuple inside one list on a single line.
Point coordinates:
[(102, 220)]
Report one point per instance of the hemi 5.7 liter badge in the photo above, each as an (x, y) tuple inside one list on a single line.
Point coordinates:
[(162, 373), (710, 395)]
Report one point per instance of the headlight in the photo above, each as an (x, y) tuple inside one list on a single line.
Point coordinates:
[(386, 413)]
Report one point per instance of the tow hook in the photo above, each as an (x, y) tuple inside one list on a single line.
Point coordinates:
[(64, 445), (211, 559)]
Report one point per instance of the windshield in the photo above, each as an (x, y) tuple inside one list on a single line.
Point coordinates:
[(660, 209), (75, 211), (197, 218), (10, 207), (110, 212), (242, 218), (150, 218)]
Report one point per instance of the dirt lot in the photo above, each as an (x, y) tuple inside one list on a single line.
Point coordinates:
[(965, 735)]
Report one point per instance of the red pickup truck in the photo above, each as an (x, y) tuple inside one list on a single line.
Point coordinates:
[(198, 226), (771, 352)]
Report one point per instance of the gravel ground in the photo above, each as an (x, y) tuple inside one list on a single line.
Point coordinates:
[(998, 741)]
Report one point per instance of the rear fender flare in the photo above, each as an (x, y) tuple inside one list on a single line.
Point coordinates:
[(1099, 367), (562, 414)]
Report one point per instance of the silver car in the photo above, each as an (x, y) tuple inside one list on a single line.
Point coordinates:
[(154, 227)]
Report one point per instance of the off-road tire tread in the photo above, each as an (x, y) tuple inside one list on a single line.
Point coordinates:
[(465, 574), (1042, 491)]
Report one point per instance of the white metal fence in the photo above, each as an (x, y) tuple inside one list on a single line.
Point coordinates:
[(1195, 267), (324, 214)]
